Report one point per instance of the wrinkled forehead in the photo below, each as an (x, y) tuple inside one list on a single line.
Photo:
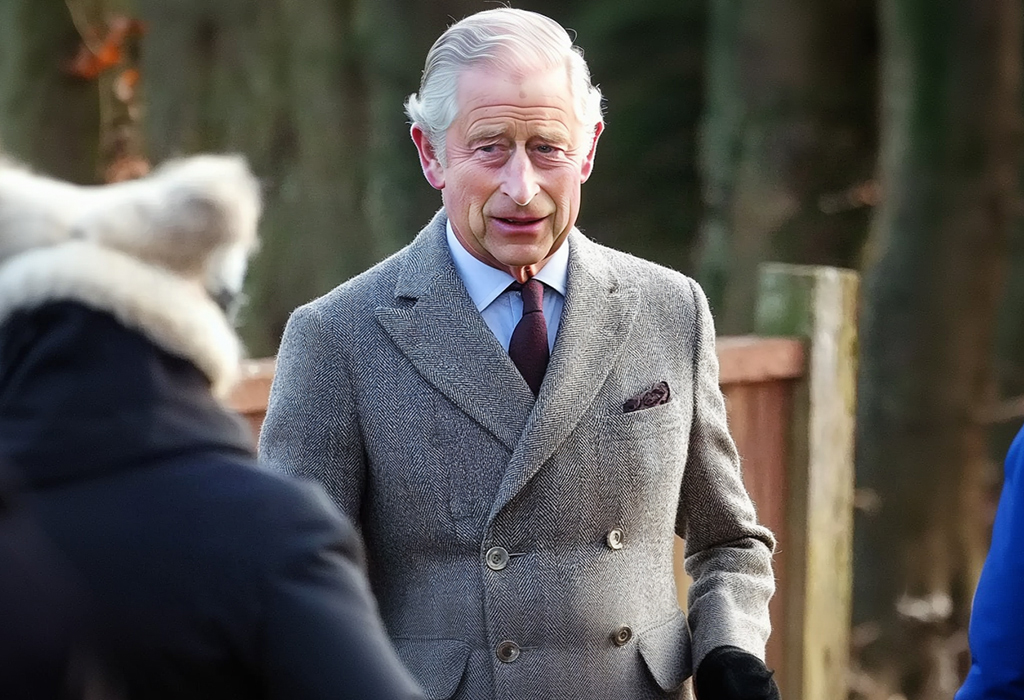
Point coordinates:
[(520, 92)]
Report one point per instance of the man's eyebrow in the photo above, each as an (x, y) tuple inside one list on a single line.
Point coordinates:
[(552, 135), (484, 133)]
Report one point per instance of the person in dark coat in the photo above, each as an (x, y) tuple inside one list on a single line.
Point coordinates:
[(203, 575)]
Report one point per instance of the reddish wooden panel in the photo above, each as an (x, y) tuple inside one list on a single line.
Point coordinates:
[(253, 389), (250, 395), (746, 359), (759, 416)]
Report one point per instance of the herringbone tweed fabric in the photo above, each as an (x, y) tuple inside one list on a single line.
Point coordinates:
[(392, 392)]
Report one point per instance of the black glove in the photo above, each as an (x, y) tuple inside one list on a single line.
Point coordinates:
[(729, 673)]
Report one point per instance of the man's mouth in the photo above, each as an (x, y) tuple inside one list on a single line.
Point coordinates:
[(519, 221)]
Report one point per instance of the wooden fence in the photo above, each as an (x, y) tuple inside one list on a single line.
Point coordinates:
[(790, 403), (759, 377)]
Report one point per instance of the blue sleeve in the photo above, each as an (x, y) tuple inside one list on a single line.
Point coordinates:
[(997, 618)]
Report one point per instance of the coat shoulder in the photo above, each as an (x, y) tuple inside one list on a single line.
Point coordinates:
[(662, 287)]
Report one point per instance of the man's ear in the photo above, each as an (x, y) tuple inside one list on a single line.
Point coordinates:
[(588, 162), (432, 168)]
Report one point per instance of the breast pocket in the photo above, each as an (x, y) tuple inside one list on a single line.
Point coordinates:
[(642, 457)]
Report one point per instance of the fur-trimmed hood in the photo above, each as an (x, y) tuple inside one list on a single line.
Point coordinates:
[(164, 255)]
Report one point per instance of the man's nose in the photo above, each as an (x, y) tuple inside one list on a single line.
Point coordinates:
[(519, 181)]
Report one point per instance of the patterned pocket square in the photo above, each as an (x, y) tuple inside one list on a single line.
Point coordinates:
[(655, 396)]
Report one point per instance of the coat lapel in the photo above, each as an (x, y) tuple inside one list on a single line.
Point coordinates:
[(436, 326), (596, 321)]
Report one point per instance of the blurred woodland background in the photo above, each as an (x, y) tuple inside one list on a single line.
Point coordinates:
[(880, 136)]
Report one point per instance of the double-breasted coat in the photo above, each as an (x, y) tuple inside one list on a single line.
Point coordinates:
[(522, 547)]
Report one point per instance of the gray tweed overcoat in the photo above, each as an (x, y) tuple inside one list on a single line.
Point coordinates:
[(522, 548)]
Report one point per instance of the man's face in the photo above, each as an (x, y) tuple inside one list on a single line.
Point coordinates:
[(516, 157)]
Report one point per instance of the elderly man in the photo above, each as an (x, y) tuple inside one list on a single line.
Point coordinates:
[(520, 419)]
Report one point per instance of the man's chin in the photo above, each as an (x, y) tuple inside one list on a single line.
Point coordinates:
[(523, 259), (524, 254)]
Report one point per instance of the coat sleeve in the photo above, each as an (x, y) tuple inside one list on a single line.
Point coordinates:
[(997, 617), (322, 637), (728, 554), (311, 429)]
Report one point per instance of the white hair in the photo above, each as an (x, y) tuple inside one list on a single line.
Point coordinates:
[(502, 38)]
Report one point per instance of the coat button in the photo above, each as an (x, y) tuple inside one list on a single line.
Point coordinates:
[(614, 539), (497, 558), (622, 635), (508, 652)]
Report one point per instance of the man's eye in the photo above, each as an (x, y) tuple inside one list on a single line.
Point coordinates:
[(546, 149), (490, 148)]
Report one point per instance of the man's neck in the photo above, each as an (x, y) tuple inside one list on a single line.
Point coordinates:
[(520, 273), (486, 282)]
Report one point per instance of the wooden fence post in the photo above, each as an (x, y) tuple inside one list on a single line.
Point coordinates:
[(819, 305)]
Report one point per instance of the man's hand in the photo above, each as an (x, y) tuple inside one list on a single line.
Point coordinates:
[(729, 673)]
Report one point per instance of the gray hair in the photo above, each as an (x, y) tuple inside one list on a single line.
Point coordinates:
[(502, 38)]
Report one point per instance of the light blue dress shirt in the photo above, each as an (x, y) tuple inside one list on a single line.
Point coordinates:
[(502, 309)]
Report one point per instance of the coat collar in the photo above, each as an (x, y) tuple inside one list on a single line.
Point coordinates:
[(434, 323), (175, 313), (600, 308), (83, 394)]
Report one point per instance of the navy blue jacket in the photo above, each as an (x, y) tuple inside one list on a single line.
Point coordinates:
[(997, 618), (209, 577), (43, 614)]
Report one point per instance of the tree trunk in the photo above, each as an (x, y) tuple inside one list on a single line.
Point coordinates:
[(788, 142), (648, 58), (48, 118), (282, 83), (1009, 355), (948, 173), (1008, 398)]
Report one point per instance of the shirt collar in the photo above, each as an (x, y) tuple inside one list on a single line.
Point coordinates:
[(485, 283)]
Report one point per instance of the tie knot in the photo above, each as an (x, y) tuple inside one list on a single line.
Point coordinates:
[(532, 292)]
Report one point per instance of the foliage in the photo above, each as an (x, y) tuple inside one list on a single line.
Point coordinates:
[(47, 118)]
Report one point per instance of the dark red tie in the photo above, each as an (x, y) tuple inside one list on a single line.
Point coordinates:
[(529, 345)]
